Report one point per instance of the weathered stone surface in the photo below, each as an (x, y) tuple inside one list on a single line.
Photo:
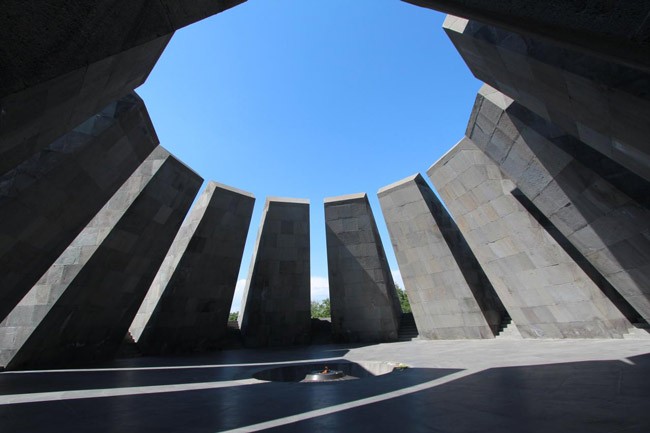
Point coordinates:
[(64, 61), (80, 310), (363, 300), (276, 302), (545, 292), (603, 104), (450, 296), (187, 306), (615, 30), (610, 229), (47, 200)]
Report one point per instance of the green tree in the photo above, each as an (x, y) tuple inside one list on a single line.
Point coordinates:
[(233, 316), (403, 299), (320, 309)]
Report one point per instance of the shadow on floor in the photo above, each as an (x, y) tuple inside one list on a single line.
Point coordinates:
[(598, 396)]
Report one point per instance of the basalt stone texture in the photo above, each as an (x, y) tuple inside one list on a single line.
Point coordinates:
[(609, 228), (450, 295), (32, 119), (80, 310), (612, 29), (63, 61), (47, 200), (545, 292), (276, 303), (187, 306), (363, 301), (604, 104)]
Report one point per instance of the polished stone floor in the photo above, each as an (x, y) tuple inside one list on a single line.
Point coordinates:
[(451, 386)]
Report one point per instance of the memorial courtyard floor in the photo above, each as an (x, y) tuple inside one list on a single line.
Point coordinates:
[(450, 386)]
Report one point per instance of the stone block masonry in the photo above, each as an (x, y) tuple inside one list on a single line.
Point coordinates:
[(545, 292), (79, 311), (601, 103), (363, 301), (608, 227), (613, 30), (276, 303), (450, 295), (64, 61), (46, 201), (187, 306)]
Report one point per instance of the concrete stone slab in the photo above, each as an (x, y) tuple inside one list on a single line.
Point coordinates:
[(187, 306), (47, 200), (614, 31), (63, 63), (526, 285), (604, 104), (363, 300), (276, 303), (437, 265), (600, 220), (80, 310)]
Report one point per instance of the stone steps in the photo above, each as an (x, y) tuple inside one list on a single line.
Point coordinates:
[(407, 328), (508, 331), (639, 331)]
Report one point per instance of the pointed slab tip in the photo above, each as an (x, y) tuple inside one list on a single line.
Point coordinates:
[(444, 158), (215, 184), (272, 199), (399, 183), (346, 197)]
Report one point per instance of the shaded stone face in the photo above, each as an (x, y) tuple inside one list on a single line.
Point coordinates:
[(546, 293), (276, 301), (616, 31), (450, 296), (601, 103), (64, 62), (80, 310), (364, 303), (46, 201), (187, 306), (608, 227)]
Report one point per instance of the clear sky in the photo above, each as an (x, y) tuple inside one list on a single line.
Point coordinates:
[(311, 99)]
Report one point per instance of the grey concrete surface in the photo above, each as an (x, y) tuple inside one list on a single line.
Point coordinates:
[(363, 301), (545, 292), (601, 103), (47, 200), (615, 30), (450, 295), (63, 62), (79, 311), (610, 229), (186, 308), (276, 302), (591, 386)]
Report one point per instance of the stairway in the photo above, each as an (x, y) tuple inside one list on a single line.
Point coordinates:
[(508, 330), (407, 329), (639, 331), (128, 348)]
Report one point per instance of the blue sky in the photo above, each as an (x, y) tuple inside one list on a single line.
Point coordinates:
[(311, 99)]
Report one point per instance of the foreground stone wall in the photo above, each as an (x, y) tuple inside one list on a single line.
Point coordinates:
[(187, 306), (64, 61), (607, 227), (363, 300), (450, 296), (601, 103), (546, 293), (47, 200), (276, 303), (616, 31), (80, 310)]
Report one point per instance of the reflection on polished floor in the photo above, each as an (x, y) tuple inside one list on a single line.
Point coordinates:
[(450, 386)]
